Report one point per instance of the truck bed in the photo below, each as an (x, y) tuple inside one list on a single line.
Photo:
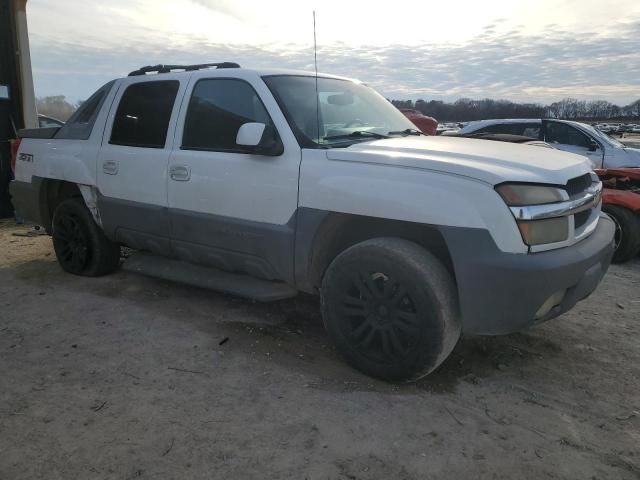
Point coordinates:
[(48, 132)]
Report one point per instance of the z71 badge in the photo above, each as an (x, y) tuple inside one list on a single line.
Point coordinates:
[(25, 157)]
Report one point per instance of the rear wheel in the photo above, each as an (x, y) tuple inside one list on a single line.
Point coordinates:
[(391, 308), (80, 244), (627, 236)]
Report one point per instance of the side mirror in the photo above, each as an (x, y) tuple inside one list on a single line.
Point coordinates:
[(259, 139), (593, 146), (250, 134)]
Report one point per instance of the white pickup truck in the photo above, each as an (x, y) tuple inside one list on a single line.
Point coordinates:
[(264, 184)]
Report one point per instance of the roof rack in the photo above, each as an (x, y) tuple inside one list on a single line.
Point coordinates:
[(186, 68)]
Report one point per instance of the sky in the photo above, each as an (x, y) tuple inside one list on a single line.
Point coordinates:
[(524, 51)]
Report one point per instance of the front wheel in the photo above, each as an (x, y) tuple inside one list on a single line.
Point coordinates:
[(391, 308), (627, 236), (80, 244)]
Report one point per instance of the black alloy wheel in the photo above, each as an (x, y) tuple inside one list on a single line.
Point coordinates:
[(379, 316), (71, 243), (391, 308), (80, 244)]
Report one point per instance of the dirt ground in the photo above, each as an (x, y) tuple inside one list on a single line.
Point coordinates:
[(128, 377)]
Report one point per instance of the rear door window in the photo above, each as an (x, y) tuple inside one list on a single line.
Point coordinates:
[(143, 115)]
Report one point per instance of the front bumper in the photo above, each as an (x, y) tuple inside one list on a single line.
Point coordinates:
[(502, 292)]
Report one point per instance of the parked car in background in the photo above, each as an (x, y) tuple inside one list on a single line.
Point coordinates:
[(607, 128), (621, 201), (48, 122), (602, 150), (447, 129), (426, 124), (507, 137)]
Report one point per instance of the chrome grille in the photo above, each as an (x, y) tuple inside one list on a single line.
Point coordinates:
[(578, 185), (581, 205)]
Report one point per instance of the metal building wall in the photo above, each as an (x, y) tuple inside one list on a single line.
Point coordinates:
[(13, 53)]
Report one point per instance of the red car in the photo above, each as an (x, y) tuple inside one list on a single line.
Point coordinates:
[(426, 125), (621, 201)]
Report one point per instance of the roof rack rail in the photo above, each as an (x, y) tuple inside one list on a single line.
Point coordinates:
[(186, 68)]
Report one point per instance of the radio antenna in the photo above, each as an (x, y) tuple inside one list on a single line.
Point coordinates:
[(315, 63)]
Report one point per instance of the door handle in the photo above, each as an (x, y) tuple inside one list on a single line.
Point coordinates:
[(180, 173), (110, 167)]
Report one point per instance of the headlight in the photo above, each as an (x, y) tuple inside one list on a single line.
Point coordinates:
[(537, 232), (549, 230), (516, 195)]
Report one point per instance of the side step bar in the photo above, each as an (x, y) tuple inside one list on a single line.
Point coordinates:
[(209, 278)]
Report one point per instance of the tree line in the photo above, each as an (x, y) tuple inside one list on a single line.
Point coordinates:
[(467, 109), (462, 110), (56, 106)]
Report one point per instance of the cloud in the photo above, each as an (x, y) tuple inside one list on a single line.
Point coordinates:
[(540, 67), (226, 7)]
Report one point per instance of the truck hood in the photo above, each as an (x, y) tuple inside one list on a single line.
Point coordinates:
[(488, 161)]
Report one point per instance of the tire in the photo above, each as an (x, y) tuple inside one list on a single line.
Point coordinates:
[(80, 244), (391, 308), (627, 239)]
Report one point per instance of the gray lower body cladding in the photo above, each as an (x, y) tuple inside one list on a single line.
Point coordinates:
[(259, 249), (137, 225), (501, 292), (263, 250), (26, 200)]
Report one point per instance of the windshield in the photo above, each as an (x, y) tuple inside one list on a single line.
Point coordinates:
[(348, 112)]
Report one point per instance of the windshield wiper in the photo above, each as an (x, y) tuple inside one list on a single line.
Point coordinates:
[(357, 134), (407, 131)]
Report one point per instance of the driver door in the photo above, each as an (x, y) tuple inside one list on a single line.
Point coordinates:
[(228, 207), (570, 139)]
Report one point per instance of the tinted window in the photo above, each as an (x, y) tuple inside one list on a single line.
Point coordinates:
[(142, 119), (566, 135), (46, 122), (217, 109), (80, 124), (525, 129)]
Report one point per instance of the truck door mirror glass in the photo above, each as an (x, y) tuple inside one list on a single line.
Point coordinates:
[(250, 134), (259, 139), (593, 146)]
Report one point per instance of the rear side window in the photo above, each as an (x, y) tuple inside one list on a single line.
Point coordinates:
[(217, 110), (80, 124), (142, 118)]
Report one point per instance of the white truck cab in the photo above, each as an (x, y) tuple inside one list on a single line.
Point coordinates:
[(267, 183)]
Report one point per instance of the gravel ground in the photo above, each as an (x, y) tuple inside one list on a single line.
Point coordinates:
[(128, 377)]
